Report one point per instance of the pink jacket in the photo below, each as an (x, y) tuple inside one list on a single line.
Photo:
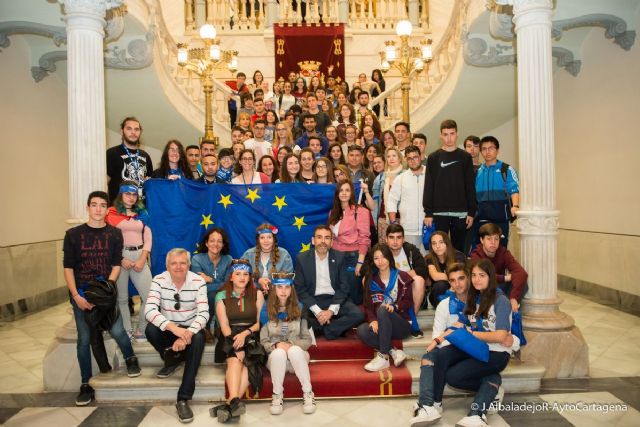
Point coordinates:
[(352, 236)]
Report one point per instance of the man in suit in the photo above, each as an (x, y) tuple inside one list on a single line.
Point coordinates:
[(322, 286)]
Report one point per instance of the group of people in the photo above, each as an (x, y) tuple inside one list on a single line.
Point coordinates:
[(369, 269)]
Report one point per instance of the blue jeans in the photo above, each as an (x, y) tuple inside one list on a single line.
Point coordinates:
[(355, 283), (456, 368), (83, 348)]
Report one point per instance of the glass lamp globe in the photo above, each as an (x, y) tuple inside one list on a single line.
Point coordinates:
[(404, 28), (208, 32)]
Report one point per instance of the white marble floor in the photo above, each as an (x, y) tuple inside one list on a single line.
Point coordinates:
[(613, 339)]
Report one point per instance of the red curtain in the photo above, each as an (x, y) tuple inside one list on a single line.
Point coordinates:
[(309, 50)]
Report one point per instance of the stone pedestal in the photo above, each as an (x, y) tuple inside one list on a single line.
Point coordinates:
[(564, 354), (60, 369)]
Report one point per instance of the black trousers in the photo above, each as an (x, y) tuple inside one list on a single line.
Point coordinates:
[(160, 340)]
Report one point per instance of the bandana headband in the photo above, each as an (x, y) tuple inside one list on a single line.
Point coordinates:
[(126, 188), (282, 282), (271, 230), (241, 267)]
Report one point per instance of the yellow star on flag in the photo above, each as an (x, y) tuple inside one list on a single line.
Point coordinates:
[(299, 222), (279, 203), (305, 247), (252, 195), (225, 200), (206, 221)]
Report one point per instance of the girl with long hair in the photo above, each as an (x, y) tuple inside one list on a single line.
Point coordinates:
[(267, 166), (282, 137), (441, 254), (346, 115), (378, 164), (336, 154), (290, 169), (381, 188), (323, 171), (286, 339), (327, 107), (130, 216), (370, 152), (266, 257), (238, 305), (389, 139), (270, 127), (331, 133), (173, 162), (376, 76), (283, 152), (341, 173), (388, 297), (285, 100), (300, 91), (349, 224)]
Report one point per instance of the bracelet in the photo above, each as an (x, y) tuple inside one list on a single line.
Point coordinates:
[(438, 340), (359, 262), (516, 206)]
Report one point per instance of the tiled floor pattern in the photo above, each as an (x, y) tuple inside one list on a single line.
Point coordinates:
[(611, 397)]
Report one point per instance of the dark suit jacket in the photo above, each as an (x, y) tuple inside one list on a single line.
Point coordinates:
[(305, 280)]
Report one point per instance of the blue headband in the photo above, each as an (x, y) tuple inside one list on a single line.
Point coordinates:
[(282, 281), (271, 230), (241, 267), (127, 188)]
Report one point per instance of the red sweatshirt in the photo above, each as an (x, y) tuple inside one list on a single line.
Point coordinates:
[(503, 261)]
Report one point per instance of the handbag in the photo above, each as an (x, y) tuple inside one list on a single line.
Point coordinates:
[(474, 347)]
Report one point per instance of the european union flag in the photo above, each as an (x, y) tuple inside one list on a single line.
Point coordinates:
[(181, 211)]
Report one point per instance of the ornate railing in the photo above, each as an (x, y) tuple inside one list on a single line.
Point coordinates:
[(253, 15), (424, 85)]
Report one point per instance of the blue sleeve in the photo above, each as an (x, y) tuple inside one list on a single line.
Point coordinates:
[(512, 181), (502, 307), (196, 265), (250, 256), (286, 264)]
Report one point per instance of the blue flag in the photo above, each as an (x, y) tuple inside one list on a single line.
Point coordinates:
[(181, 211)]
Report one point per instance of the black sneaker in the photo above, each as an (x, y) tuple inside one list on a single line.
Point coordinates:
[(417, 334), (185, 414), (133, 369), (86, 395), (167, 371)]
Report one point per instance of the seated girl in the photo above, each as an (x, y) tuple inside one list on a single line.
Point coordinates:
[(441, 253), (388, 299), (286, 339)]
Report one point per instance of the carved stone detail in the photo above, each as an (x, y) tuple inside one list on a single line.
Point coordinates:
[(566, 61), (138, 54), (89, 6), (47, 64), (115, 23), (58, 34), (479, 53), (615, 27), (538, 223)]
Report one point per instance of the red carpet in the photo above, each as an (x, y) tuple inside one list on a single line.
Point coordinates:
[(337, 370)]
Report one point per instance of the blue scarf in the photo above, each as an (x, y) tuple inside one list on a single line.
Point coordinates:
[(376, 290), (456, 306), (225, 175)]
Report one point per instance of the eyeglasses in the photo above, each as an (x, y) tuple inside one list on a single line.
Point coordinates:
[(321, 166), (413, 157), (177, 304)]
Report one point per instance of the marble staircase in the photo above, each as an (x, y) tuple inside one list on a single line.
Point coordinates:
[(518, 377)]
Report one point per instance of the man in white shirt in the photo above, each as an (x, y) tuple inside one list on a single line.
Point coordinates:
[(258, 144), (322, 286), (178, 311), (405, 198)]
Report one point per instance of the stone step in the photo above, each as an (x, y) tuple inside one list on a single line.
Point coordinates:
[(518, 377)]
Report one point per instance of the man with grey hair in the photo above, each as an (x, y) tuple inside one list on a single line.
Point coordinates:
[(177, 311)]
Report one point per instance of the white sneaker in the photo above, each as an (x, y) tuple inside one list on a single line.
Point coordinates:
[(378, 363), (495, 405), (424, 416), (398, 356), (438, 406), (277, 404), (473, 421), (309, 403)]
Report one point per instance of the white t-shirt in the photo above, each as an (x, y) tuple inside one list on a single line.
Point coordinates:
[(402, 263)]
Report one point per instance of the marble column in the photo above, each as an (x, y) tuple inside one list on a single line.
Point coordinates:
[(554, 341), (85, 20)]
